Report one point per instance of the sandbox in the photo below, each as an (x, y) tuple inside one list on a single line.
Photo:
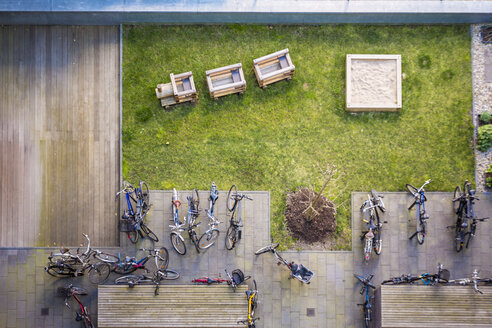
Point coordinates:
[(373, 83)]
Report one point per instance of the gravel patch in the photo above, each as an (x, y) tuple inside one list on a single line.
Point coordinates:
[(482, 101)]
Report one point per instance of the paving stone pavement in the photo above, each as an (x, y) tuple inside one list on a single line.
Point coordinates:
[(25, 289)]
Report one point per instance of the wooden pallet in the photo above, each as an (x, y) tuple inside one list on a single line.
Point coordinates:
[(176, 306), (412, 306)]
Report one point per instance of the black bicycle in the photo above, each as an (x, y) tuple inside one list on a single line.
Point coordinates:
[(366, 306), (72, 291), (442, 276), (193, 212), (372, 235), (233, 234), (466, 221), (420, 213)]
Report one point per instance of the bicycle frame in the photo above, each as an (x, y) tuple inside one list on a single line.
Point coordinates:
[(420, 212)]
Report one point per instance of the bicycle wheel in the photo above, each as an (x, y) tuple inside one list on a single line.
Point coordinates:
[(377, 243), (367, 316), (149, 233), (106, 257), (87, 322), (457, 194), (412, 190), (208, 238), (168, 274), (128, 280), (178, 243), (162, 258), (60, 270), (458, 237), (99, 273), (133, 235), (231, 237), (421, 233), (470, 236), (267, 248), (388, 282), (231, 201), (195, 198)]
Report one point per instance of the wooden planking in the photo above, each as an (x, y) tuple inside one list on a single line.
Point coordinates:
[(60, 115), (433, 306), (175, 306)]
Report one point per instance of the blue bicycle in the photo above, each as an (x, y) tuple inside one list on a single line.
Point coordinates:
[(138, 205), (210, 236), (366, 281), (177, 228), (420, 213)]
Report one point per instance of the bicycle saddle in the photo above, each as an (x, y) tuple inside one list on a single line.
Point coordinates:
[(64, 250), (425, 216), (177, 203)]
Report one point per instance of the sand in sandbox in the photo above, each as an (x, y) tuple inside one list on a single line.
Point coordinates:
[(374, 82)]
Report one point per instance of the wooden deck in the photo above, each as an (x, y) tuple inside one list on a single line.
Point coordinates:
[(412, 306), (59, 136), (183, 306)]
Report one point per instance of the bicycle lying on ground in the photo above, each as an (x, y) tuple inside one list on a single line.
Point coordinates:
[(66, 264), (252, 296), (233, 234), (297, 271), (161, 258), (130, 264), (442, 276), (177, 228), (367, 285), (372, 235), (72, 291), (466, 221), (138, 205), (235, 279), (210, 236), (420, 213), (475, 280)]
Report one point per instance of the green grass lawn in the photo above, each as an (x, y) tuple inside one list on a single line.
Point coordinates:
[(274, 139)]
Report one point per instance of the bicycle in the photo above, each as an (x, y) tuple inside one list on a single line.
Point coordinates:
[(140, 199), (475, 280), (233, 234), (442, 276), (72, 291), (367, 285), (298, 272), (209, 237), (193, 203), (162, 273), (420, 213), (130, 264), (177, 228), (252, 296), (65, 264), (464, 207), (235, 279), (372, 236)]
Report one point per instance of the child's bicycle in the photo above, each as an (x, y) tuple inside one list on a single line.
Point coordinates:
[(252, 296), (297, 271)]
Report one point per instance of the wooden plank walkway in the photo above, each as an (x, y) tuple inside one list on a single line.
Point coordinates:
[(175, 306), (411, 306), (59, 135)]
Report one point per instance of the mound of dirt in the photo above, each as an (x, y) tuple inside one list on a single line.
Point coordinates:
[(311, 229)]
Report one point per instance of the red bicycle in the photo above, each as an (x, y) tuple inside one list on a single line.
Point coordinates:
[(235, 279), (72, 291)]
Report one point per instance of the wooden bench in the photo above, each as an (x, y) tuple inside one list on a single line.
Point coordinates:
[(274, 67), (176, 306), (412, 306), (181, 89), (226, 80)]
